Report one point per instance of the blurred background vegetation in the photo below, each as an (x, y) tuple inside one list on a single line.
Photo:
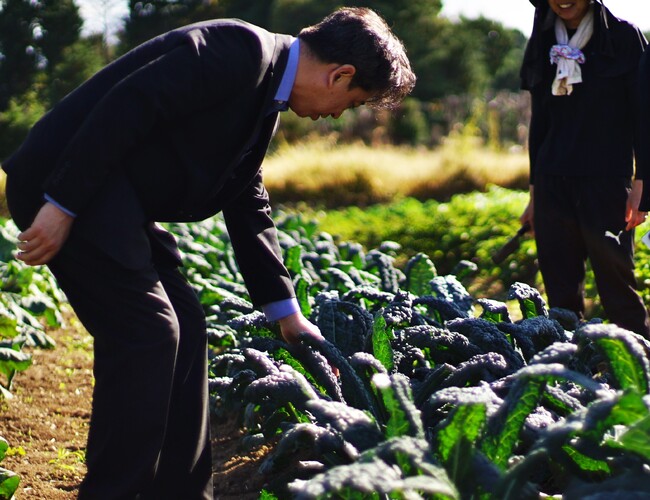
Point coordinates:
[(467, 70)]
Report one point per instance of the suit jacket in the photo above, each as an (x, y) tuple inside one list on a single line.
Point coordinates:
[(174, 130)]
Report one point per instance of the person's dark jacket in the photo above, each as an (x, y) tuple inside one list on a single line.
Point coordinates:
[(174, 130), (643, 153), (593, 131)]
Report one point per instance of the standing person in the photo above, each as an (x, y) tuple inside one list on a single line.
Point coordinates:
[(581, 67), (176, 130)]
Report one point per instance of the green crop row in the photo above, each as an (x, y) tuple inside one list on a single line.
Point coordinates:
[(453, 379), (437, 393), (470, 227)]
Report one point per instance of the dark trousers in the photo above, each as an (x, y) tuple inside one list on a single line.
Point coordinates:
[(580, 218), (149, 431)]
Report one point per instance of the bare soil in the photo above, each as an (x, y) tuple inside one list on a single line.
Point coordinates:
[(46, 426)]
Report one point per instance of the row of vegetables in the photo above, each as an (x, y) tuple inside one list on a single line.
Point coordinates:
[(418, 389)]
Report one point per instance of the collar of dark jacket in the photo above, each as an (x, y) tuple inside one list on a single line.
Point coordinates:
[(534, 56)]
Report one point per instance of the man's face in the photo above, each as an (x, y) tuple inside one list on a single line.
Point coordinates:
[(329, 96), (570, 11)]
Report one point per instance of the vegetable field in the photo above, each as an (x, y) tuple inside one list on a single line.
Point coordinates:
[(437, 393)]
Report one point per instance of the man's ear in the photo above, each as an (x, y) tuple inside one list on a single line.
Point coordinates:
[(344, 71)]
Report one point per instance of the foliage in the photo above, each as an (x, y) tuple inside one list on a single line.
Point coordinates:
[(8, 480), (470, 227), (22, 112), (436, 392), (33, 36), (30, 301), (428, 396), (79, 61), (41, 60)]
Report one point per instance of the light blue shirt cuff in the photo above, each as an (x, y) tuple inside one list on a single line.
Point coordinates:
[(57, 205), (280, 309)]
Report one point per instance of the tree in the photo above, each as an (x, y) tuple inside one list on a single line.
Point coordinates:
[(33, 35), (148, 19), (18, 58), (79, 62)]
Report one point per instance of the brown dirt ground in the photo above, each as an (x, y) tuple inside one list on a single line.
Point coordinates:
[(46, 425)]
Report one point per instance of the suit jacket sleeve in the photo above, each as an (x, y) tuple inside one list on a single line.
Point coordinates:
[(255, 242)]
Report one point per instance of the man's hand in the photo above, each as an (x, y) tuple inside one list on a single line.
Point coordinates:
[(633, 216), (295, 324), (47, 234)]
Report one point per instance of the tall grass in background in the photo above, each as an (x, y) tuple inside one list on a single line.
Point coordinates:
[(329, 175)]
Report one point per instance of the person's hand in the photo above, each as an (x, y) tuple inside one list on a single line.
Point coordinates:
[(633, 216), (293, 325), (42, 241)]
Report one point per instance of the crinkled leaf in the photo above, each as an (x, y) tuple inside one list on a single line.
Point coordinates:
[(381, 342), (419, 271), (626, 356), (8, 484), (403, 417), (456, 437)]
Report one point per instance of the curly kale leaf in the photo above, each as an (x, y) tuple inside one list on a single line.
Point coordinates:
[(530, 300), (370, 297), (364, 363), (403, 416), (260, 362), (441, 345), (356, 426), (568, 319), (254, 323), (382, 264), (441, 310), (399, 311), (442, 402), (338, 279), (280, 388), (431, 383), (625, 352), (557, 352), (227, 393), (227, 363), (419, 272), (353, 389), (482, 367), (489, 338), (317, 367), (450, 289), (399, 468), (308, 441), (533, 335), (494, 311), (346, 325)]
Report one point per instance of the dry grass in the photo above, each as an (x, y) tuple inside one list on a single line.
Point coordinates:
[(321, 169), (324, 173)]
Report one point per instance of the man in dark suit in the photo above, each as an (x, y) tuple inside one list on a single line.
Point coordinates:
[(176, 130)]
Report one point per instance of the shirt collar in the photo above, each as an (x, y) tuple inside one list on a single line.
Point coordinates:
[(286, 84)]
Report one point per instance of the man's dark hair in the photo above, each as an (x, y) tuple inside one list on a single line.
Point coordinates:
[(359, 36)]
